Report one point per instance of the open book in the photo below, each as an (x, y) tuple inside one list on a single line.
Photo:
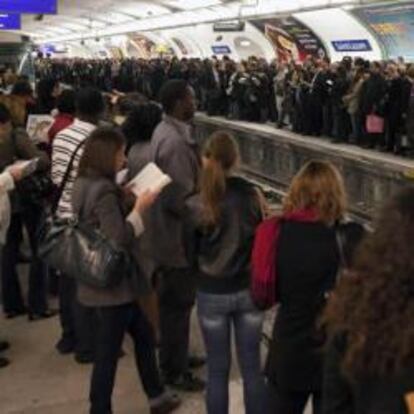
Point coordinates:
[(149, 178), (38, 127)]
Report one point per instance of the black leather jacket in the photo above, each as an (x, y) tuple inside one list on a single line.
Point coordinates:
[(225, 249)]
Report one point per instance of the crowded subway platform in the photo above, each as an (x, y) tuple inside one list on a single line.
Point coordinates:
[(221, 231)]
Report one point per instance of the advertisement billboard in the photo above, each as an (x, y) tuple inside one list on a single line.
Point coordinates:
[(29, 6), (393, 25), (10, 21), (291, 39)]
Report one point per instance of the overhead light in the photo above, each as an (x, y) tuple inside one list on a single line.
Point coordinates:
[(245, 43)]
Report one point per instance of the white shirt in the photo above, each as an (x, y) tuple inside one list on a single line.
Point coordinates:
[(64, 145)]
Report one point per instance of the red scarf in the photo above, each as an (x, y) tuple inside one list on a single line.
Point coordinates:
[(264, 284)]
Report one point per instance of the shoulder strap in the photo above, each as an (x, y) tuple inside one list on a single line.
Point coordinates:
[(65, 179), (340, 242)]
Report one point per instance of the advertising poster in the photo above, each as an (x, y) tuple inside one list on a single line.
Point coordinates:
[(291, 39), (393, 25)]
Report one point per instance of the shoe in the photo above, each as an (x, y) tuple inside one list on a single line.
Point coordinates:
[(16, 313), (84, 359), (4, 346), (65, 346), (195, 362), (44, 315), (167, 406), (4, 362), (186, 382)]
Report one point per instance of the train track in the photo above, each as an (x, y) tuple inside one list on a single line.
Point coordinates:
[(275, 191)]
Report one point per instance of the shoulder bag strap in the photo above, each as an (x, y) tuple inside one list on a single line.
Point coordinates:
[(65, 179)]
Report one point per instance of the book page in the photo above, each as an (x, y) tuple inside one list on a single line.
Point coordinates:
[(150, 178), (38, 127)]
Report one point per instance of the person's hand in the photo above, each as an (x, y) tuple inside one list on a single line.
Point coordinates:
[(145, 201), (16, 172)]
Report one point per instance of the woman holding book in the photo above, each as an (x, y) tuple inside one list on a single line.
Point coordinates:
[(98, 201)]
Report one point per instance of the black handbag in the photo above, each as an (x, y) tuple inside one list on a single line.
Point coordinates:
[(80, 251)]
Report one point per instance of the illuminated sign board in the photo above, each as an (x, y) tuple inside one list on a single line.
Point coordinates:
[(221, 50), (229, 26), (10, 21), (352, 45), (29, 6)]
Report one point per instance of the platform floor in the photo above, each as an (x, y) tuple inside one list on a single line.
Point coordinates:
[(40, 381)]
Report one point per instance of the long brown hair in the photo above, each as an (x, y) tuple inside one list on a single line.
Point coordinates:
[(221, 155), (318, 186), (100, 152), (374, 308)]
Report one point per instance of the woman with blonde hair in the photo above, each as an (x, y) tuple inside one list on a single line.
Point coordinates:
[(230, 213), (307, 261)]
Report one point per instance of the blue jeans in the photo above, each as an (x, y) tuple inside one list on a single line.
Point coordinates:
[(217, 314)]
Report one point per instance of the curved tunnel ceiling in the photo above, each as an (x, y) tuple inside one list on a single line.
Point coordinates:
[(82, 19)]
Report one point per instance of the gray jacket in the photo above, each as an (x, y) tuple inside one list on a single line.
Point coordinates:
[(175, 152), (138, 157), (98, 201)]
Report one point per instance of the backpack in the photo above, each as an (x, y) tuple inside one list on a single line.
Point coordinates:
[(263, 286)]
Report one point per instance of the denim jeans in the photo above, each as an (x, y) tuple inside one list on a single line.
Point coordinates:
[(217, 315)]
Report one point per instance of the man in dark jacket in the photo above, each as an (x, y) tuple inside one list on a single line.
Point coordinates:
[(16, 145), (174, 151)]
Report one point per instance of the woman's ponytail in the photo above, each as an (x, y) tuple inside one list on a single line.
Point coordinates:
[(220, 155)]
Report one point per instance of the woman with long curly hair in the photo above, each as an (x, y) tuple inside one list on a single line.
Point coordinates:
[(307, 261), (370, 321)]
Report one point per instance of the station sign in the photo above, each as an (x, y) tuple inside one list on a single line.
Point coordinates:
[(350, 46), (221, 50), (29, 6), (10, 21)]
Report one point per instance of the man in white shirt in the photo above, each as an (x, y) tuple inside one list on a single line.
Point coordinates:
[(76, 320)]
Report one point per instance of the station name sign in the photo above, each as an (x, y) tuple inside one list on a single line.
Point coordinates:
[(10, 21), (352, 45), (29, 6), (221, 50)]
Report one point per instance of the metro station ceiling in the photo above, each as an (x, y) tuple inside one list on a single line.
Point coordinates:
[(78, 19)]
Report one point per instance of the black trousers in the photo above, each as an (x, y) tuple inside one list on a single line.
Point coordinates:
[(176, 300), (32, 219), (112, 323), (78, 322), (294, 402)]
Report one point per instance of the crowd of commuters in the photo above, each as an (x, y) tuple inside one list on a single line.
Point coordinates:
[(342, 335), (317, 98)]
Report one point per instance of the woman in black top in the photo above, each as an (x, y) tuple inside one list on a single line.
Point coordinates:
[(229, 216), (307, 263), (370, 360)]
